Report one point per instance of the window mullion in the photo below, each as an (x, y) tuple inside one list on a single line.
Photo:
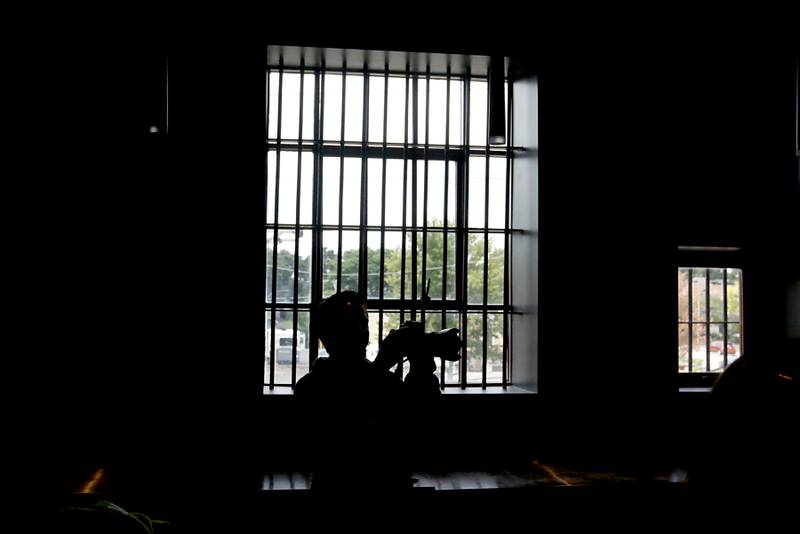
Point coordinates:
[(295, 267), (275, 229)]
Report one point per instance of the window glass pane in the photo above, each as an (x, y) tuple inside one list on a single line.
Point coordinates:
[(290, 106), (332, 113), (272, 128), (396, 122), (285, 265), (330, 254), (373, 265), (350, 239), (683, 348), (377, 85), (270, 247), (734, 341), (715, 298), (497, 192), (494, 347), (422, 91), (734, 293), (683, 295), (351, 199), (283, 345), (330, 190), (303, 337), (456, 112), (374, 191), (477, 113), (474, 348), (434, 253), (475, 246), (496, 268), (699, 353), (452, 369), (354, 108), (451, 193), (391, 265), (437, 114), (287, 187), (270, 192), (716, 350), (394, 192), (477, 192), (698, 294), (435, 193)]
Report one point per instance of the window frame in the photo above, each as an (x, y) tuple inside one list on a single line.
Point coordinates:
[(410, 153), (702, 257)]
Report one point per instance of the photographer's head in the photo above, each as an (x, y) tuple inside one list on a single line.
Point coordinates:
[(342, 324)]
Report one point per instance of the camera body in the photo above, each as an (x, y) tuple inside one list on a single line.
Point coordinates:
[(419, 347)]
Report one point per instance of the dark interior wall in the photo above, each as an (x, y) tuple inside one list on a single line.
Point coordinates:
[(154, 253)]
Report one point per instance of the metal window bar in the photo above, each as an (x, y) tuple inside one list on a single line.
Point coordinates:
[(295, 274), (691, 316), (725, 318), (708, 321), (362, 236), (341, 180), (316, 209), (382, 260), (415, 137), (409, 154), (423, 289), (445, 241), (507, 240), (485, 317), (272, 351), (463, 237)]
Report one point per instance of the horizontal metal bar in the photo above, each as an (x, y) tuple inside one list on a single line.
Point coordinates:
[(375, 228), (400, 304), (375, 72), (393, 150)]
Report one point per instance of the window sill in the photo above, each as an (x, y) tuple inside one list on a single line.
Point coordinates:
[(693, 391), (279, 391)]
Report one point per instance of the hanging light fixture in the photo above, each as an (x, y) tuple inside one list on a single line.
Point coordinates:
[(497, 102)]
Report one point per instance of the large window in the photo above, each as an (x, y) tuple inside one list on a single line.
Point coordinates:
[(383, 182), (709, 321)]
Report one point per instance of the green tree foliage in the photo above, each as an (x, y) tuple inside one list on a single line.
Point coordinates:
[(436, 247)]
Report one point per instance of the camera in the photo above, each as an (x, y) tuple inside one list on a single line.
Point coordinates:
[(411, 342)]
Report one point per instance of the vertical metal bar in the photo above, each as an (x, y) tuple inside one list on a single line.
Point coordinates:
[(266, 203), (425, 194), (725, 317), (296, 266), (405, 193), (507, 237), (444, 224), (381, 268), (341, 179), (414, 222), (399, 369), (485, 343), (708, 321), (275, 228), (362, 243), (315, 265), (464, 237), (691, 317)]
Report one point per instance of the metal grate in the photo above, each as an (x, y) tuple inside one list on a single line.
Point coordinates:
[(709, 318), (383, 183)]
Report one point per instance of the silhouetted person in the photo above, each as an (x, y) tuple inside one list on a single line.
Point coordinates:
[(751, 447), (353, 408)]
